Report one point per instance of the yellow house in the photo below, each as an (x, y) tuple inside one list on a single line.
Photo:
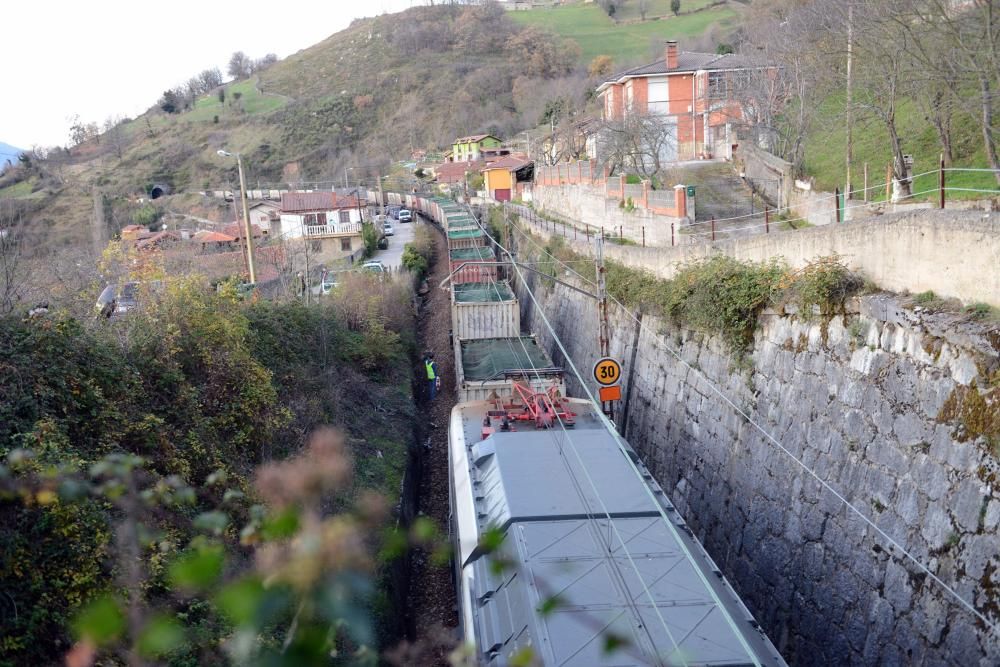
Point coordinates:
[(501, 177)]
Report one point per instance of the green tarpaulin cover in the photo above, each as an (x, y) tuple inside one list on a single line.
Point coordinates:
[(482, 358), (472, 253), (483, 292)]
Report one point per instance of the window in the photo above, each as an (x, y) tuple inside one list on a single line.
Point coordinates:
[(316, 246), (345, 244), (717, 86), (628, 96), (658, 96), (345, 215), (315, 218)]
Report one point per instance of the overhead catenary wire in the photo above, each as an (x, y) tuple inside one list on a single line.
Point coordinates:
[(995, 628), (624, 451)]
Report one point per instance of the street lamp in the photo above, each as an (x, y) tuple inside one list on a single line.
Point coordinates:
[(246, 216)]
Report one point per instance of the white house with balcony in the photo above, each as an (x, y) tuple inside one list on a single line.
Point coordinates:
[(328, 222)]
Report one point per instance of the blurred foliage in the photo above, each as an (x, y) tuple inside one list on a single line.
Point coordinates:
[(130, 445)]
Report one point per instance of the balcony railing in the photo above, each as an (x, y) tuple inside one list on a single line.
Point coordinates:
[(338, 229)]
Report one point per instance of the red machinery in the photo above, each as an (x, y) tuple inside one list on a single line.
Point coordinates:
[(544, 408)]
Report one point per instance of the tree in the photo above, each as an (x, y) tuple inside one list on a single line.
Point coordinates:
[(960, 48), (210, 79), (262, 64), (600, 66), (643, 8), (170, 102), (675, 6), (77, 130), (240, 65), (115, 134)]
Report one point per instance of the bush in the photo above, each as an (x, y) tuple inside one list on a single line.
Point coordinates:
[(826, 283), (414, 261), (723, 295), (370, 236)]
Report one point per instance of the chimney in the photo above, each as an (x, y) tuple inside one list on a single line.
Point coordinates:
[(671, 54)]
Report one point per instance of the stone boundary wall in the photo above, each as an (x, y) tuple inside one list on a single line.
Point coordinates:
[(954, 253), (861, 398)]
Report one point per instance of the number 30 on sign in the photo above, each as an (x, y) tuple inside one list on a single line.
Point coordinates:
[(607, 371)]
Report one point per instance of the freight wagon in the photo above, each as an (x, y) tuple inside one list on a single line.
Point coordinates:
[(484, 310)]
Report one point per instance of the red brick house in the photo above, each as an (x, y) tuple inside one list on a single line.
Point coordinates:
[(697, 95)]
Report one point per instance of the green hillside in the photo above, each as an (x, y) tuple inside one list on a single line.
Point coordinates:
[(363, 98), (825, 150), (631, 40)]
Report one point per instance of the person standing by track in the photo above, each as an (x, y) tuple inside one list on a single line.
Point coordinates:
[(433, 380)]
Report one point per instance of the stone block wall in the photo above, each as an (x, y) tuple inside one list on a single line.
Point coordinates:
[(866, 400)]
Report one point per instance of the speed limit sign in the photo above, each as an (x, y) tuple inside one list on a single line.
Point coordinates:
[(607, 371)]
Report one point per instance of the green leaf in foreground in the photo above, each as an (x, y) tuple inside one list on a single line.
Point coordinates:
[(161, 635), (100, 622), (198, 568)]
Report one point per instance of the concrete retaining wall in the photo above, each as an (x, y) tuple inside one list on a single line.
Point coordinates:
[(954, 253), (588, 205)]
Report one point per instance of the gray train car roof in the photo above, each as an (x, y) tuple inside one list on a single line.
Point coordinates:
[(535, 485)]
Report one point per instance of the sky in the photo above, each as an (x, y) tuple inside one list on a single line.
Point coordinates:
[(104, 58)]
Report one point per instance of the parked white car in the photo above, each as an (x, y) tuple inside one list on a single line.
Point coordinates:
[(405, 215)]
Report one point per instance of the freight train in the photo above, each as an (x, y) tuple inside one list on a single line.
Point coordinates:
[(567, 551)]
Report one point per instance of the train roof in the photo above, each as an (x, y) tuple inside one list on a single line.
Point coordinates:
[(584, 523)]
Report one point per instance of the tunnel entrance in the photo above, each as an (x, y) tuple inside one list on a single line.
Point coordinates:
[(158, 191)]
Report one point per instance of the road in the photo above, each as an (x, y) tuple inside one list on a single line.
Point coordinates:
[(392, 257)]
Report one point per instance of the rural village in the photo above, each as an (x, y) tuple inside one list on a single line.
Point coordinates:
[(615, 332)]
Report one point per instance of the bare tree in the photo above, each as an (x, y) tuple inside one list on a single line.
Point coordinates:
[(115, 134), (210, 79), (240, 65), (960, 45), (639, 143), (15, 277)]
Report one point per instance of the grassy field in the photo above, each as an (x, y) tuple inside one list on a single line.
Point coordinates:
[(657, 8), (251, 100), (22, 190), (598, 35), (826, 148)]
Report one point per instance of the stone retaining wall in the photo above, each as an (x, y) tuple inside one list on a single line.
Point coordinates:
[(863, 399)]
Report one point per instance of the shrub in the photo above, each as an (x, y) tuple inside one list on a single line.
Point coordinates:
[(826, 283), (414, 261), (723, 295)]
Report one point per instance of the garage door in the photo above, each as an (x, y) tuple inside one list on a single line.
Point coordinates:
[(502, 194)]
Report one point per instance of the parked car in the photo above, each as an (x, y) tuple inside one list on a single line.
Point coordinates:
[(328, 284), (383, 243), (388, 230), (394, 212), (405, 215), (374, 266), (115, 301)]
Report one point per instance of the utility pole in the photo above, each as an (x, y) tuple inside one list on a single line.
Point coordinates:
[(246, 223), (607, 407), (247, 232), (850, 110)]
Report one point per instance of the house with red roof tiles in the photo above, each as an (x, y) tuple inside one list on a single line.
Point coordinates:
[(695, 95)]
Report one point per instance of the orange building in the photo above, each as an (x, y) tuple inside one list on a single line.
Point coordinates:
[(695, 94)]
